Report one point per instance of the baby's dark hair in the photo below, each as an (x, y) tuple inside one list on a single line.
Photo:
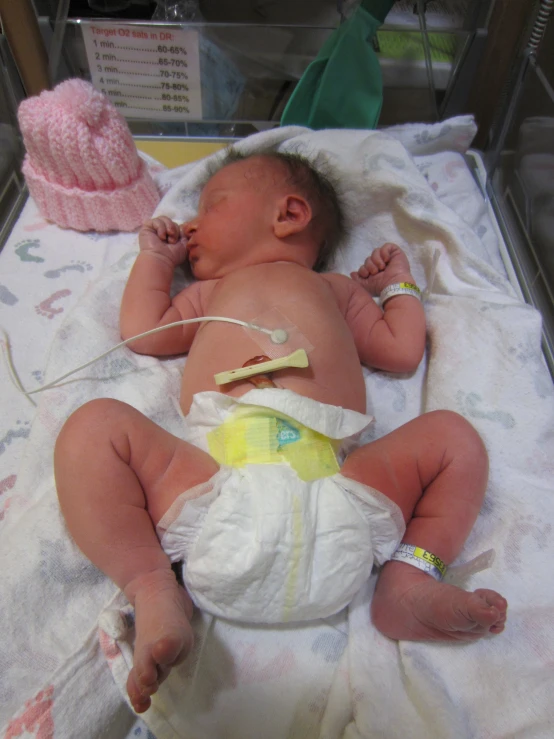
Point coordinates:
[(315, 184)]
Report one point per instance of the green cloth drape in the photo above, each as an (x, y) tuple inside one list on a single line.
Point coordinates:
[(342, 87)]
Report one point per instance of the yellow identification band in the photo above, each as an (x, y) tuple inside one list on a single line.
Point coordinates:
[(400, 288), (255, 435), (420, 558)]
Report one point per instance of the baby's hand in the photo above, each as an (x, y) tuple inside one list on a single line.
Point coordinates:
[(386, 266), (162, 236)]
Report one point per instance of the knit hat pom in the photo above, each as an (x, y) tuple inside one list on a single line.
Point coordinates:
[(81, 100)]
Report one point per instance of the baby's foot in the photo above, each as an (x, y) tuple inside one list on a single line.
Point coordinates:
[(163, 638), (409, 604)]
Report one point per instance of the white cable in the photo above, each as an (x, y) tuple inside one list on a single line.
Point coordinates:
[(279, 333), (14, 377), (434, 264)]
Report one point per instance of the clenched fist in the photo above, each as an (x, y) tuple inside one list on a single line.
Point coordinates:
[(164, 237), (386, 266)]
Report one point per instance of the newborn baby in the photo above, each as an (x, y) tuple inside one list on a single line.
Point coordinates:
[(136, 498)]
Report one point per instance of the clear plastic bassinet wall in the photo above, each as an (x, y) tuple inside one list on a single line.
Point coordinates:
[(12, 186), (520, 165), (222, 69), (228, 68)]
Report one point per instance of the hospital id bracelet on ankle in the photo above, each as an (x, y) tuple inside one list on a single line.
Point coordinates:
[(399, 288), (420, 558)]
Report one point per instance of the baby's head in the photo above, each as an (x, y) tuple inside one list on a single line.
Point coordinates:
[(263, 208)]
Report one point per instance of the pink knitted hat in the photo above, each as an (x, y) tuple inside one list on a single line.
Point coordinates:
[(82, 167)]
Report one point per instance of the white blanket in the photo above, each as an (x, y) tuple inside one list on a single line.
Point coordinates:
[(338, 677)]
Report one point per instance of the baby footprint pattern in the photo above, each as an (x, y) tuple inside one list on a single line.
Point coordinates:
[(527, 532), (452, 168), (471, 405), (143, 732), (36, 226), (6, 296), (36, 720), (21, 431), (255, 668), (426, 137), (77, 266), (22, 249), (7, 483), (98, 235), (124, 262), (375, 162), (330, 646), (45, 308)]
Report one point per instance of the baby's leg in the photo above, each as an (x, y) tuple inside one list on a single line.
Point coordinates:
[(117, 473), (435, 468)]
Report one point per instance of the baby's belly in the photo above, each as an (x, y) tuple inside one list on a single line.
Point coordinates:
[(334, 375)]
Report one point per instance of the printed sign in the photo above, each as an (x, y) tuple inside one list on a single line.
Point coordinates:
[(146, 71)]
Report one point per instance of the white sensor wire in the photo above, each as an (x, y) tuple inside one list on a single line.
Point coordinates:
[(432, 274), (14, 377), (278, 336)]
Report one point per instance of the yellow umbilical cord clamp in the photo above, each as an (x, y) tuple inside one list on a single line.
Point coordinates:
[(299, 358)]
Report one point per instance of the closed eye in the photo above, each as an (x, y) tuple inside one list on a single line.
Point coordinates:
[(212, 201)]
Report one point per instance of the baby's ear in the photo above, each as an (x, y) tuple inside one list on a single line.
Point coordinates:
[(292, 215)]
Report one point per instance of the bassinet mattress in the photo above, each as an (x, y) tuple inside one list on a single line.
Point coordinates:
[(62, 677)]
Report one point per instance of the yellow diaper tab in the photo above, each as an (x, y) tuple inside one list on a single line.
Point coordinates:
[(256, 435)]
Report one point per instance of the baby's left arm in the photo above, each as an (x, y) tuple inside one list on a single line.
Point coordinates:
[(390, 338)]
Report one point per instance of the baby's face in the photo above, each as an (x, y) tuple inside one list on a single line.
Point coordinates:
[(234, 218)]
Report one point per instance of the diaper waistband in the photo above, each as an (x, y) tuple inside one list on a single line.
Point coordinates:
[(258, 435), (210, 409)]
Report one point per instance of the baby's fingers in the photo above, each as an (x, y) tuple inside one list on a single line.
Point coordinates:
[(369, 267), (388, 250), (379, 258), (165, 228)]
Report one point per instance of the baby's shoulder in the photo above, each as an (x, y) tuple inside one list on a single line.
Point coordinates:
[(341, 286), (198, 294)]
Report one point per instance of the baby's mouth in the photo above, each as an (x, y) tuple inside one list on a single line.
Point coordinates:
[(191, 257)]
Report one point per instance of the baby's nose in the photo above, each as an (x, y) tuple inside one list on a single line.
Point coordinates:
[(188, 228)]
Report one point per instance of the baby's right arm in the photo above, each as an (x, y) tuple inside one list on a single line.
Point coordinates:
[(146, 301)]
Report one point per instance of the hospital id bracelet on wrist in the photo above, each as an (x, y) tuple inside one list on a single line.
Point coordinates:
[(400, 288), (420, 558)]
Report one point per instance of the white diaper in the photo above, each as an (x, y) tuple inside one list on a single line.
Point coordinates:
[(259, 544)]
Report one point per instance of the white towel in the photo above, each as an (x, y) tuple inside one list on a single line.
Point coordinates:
[(340, 677)]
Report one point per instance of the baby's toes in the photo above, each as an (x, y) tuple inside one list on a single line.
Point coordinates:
[(146, 674), (487, 608), (495, 601), (139, 700), (492, 598)]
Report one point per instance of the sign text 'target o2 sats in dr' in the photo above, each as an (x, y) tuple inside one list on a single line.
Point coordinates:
[(146, 71)]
